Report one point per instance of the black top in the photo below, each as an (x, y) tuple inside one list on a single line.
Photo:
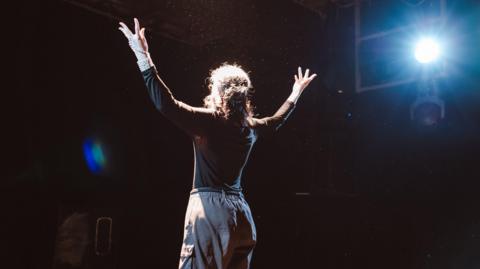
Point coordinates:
[(221, 147)]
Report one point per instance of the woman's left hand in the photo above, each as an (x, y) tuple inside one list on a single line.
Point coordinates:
[(302, 81)]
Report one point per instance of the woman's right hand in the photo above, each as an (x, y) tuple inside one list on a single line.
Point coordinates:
[(137, 41)]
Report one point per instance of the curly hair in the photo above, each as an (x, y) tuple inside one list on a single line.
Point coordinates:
[(230, 92)]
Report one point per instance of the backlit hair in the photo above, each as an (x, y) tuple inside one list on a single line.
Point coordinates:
[(230, 92)]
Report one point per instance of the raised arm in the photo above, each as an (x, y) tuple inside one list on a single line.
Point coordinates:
[(185, 116), (272, 123)]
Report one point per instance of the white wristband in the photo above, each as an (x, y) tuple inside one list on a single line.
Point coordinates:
[(294, 96), (144, 61)]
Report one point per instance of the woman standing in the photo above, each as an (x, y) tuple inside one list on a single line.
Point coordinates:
[(219, 229)]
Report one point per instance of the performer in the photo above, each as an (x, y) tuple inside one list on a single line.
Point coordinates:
[(219, 229)]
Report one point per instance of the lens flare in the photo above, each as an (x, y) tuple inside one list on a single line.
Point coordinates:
[(427, 50), (94, 156)]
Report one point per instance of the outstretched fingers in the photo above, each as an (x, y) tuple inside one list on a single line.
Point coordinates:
[(123, 31), (309, 79), (128, 33), (124, 28), (302, 78), (306, 73), (137, 26)]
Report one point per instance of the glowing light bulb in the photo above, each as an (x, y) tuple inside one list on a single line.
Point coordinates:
[(427, 50)]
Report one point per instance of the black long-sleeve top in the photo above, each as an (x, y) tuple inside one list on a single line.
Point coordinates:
[(221, 148)]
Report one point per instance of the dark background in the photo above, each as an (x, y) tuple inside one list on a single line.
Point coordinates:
[(348, 182)]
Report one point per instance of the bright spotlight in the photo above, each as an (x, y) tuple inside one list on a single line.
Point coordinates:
[(427, 50)]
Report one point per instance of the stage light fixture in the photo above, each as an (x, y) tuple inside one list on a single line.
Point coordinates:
[(427, 50), (428, 110)]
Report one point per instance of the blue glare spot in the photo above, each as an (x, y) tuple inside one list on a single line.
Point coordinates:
[(94, 156)]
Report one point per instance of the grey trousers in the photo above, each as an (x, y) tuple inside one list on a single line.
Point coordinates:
[(219, 232)]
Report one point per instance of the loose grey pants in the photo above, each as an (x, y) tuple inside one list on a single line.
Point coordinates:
[(219, 232)]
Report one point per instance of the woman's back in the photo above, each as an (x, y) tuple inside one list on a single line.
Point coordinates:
[(221, 153)]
